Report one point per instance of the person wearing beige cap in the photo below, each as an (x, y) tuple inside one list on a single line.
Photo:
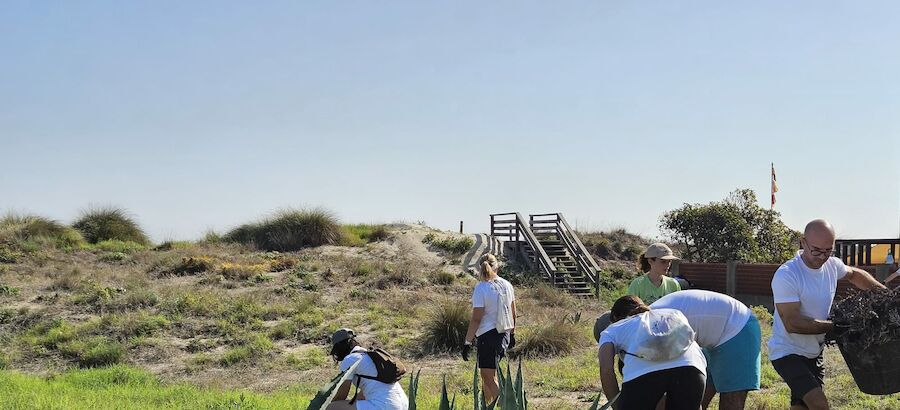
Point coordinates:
[(654, 283)]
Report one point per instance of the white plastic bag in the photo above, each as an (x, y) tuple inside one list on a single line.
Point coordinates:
[(504, 309), (664, 335)]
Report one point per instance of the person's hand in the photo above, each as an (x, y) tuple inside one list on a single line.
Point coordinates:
[(465, 351), (512, 341), (836, 332)]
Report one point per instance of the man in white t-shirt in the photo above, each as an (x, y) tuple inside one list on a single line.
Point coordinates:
[(803, 290), (372, 394)]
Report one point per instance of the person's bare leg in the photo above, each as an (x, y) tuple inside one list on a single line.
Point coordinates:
[(732, 400), (816, 400), (341, 405), (490, 386), (708, 394)]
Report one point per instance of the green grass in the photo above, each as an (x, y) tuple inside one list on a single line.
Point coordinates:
[(102, 224), (122, 387)]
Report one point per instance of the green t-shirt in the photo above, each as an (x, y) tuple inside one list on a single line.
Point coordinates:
[(643, 288)]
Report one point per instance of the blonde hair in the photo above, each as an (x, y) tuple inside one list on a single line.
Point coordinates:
[(489, 266)]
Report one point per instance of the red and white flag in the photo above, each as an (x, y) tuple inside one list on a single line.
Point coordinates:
[(774, 185)]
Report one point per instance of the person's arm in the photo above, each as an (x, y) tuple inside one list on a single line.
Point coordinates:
[(795, 322), (477, 314), (606, 357), (513, 308), (862, 279), (343, 391)]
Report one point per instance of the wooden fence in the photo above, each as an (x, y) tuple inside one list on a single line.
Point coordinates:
[(749, 279)]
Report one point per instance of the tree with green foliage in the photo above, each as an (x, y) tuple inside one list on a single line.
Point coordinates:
[(736, 228)]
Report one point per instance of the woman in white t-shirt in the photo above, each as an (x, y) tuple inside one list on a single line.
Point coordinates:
[(678, 370), (492, 324)]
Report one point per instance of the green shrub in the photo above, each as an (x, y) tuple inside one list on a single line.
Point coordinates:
[(446, 326), (363, 268), (401, 274), (114, 257), (548, 295), (361, 234), (211, 237), (441, 277), (170, 245), (9, 290), (68, 280), (139, 297), (236, 271), (289, 230), (101, 224), (282, 263), (203, 304), (31, 231), (192, 265), (51, 335), (251, 346), (133, 325), (310, 359), (115, 245), (93, 352), (10, 256), (453, 245), (282, 330), (550, 339)]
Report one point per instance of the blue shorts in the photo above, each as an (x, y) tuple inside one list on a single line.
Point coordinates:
[(734, 365)]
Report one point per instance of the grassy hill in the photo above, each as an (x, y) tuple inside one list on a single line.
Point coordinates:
[(223, 324)]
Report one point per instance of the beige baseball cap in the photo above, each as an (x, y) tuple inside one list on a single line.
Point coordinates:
[(660, 251)]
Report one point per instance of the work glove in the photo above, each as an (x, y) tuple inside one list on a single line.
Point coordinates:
[(465, 351), (836, 332), (512, 341)]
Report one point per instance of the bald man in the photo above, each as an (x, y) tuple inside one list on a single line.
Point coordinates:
[(804, 288)]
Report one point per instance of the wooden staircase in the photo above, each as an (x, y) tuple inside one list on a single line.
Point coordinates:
[(551, 247)]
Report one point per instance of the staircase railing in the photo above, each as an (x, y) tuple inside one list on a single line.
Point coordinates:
[(556, 224), (512, 226)]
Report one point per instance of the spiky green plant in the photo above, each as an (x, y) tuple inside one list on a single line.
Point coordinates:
[(326, 393), (413, 389), (446, 403)]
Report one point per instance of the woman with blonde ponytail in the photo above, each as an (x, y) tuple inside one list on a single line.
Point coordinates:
[(493, 324)]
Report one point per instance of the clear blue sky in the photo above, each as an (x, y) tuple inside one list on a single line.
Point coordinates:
[(198, 115)]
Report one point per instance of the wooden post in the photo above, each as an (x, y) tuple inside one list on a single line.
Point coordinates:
[(868, 247), (731, 278), (882, 271), (460, 226)]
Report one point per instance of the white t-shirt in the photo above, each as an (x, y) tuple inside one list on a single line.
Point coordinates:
[(378, 395), (715, 317), (814, 289), (486, 296), (621, 335)]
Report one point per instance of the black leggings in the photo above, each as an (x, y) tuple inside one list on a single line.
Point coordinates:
[(683, 387)]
